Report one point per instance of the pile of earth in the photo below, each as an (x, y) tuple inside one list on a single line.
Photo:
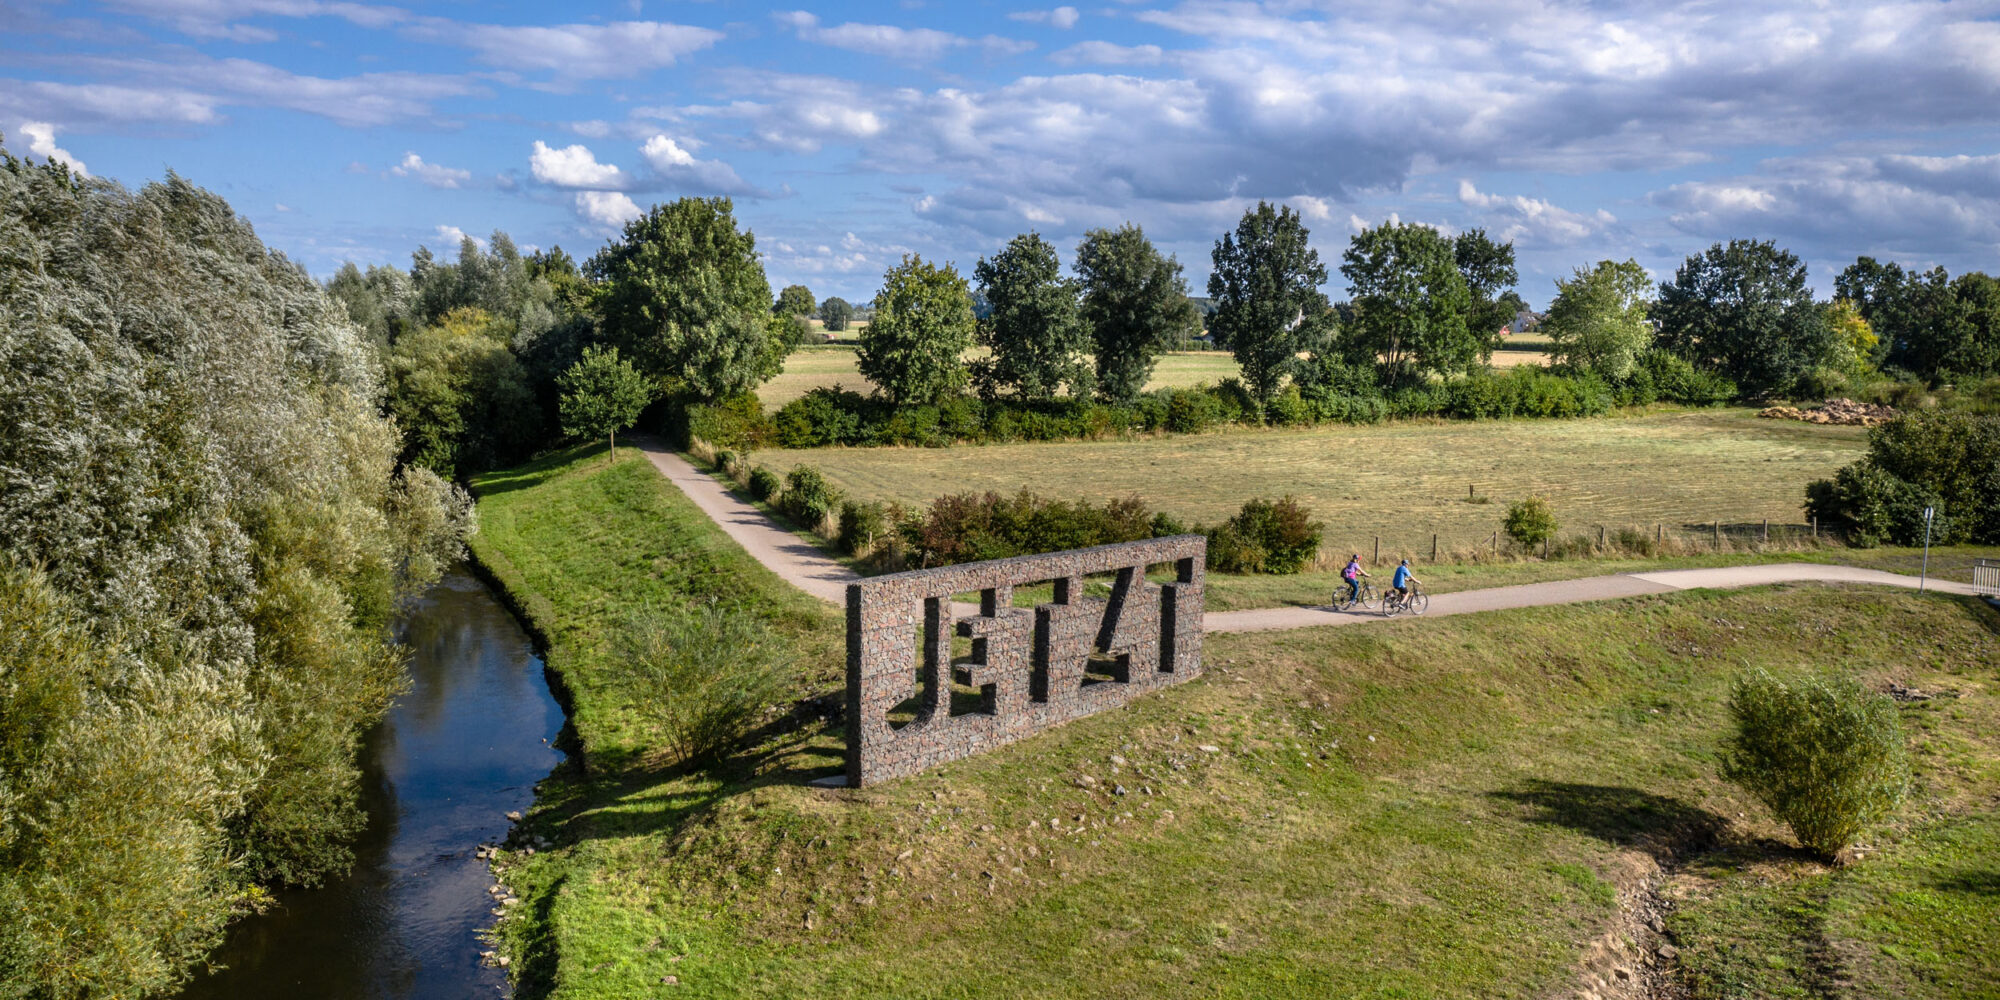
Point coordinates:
[(1835, 411)]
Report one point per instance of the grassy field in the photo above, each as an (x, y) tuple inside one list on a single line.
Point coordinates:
[(810, 368), (1448, 808), (1401, 481)]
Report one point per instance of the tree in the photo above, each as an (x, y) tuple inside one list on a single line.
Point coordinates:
[(1268, 305), (1744, 310), (1136, 305), (461, 398), (1490, 277), (1852, 335), (686, 299), (602, 394), (795, 300), (835, 312), (1597, 322), (914, 348), (1038, 341), (1826, 755), (1410, 301)]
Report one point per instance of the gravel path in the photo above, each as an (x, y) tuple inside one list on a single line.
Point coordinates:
[(801, 564)]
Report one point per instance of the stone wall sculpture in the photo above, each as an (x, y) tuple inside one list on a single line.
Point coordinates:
[(1032, 668)]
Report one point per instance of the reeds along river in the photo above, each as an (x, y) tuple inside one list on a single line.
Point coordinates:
[(454, 756)]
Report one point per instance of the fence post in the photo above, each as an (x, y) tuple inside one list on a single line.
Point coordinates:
[(1600, 537), (1767, 531), (1718, 536), (1659, 533), (1496, 545), (1378, 552), (1545, 548), (1434, 547), (1469, 492), (1815, 528)]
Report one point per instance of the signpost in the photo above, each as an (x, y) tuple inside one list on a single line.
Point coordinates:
[(1929, 512)]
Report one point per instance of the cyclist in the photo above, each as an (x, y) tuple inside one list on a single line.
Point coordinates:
[(1353, 575), (1399, 586)]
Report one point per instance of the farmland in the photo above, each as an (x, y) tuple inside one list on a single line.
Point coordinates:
[(1402, 481), (808, 369)]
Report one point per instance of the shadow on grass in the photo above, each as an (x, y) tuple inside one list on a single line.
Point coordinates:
[(1657, 824), (534, 473), (1974, 883)]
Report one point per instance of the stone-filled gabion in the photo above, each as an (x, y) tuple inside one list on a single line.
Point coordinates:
[(1034, 667)]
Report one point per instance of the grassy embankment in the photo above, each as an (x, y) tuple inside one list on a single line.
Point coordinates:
[(1422, 808)]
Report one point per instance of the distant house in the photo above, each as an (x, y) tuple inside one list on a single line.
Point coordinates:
[(1525, 321)]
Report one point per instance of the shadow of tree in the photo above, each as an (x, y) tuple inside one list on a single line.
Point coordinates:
[(1660, 825), (1977, 883)]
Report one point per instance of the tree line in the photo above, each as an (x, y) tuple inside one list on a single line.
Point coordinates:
[(207, 535)]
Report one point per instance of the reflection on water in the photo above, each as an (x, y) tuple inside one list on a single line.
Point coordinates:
[(464, 747)]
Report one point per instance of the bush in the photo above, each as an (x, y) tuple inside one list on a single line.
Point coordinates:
[(1530, 522), (764, 484), (824, 416), (1676, 380), (1826, 756), (737, 422), (967, 527), (1875, 507), (861, 524), (704, 676), (1191, 410), (808, 498), (725, 460), (1266, 536)]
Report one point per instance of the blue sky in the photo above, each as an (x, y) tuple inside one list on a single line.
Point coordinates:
[(850, 134)]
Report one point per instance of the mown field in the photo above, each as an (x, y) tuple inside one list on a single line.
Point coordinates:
[(1401, 481), (810, 368), (1445, 808)]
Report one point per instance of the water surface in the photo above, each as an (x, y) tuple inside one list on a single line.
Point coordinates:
[(439, 775)]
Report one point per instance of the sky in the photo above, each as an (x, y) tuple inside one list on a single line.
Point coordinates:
[(849, 135)]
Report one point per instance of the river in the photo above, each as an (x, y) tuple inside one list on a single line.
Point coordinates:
[(440, 774)]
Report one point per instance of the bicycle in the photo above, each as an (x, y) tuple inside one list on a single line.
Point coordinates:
[(1341, 602), (1415, 602)]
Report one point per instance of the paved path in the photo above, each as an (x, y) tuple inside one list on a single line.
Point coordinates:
[(799, 562), (803, 565)]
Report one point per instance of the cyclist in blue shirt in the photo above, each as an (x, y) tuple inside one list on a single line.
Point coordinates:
[(1400, 584)]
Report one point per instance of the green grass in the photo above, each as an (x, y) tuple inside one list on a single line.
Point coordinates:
[(580, 543), (1424, 808), (812, 367), (1401, 481)]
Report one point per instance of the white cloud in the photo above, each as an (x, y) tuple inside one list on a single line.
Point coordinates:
[(430, 173), (1533, 221), (607, 209), (578, 51), (450, 237), (106, 103), (1063, 18), (887, 41), (42, 143), (573, 167), (1895, 204), (1107, 54), (218, 18)]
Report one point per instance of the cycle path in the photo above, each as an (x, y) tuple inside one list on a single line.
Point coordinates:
[(802, 564)]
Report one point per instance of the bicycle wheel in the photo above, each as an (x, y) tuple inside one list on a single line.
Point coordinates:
[(1392, 606), (1420, 603)]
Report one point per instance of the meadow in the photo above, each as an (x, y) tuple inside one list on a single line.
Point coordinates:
[(1462, 807), (1400, 481), (809, 368)]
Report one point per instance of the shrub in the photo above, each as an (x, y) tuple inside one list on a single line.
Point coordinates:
[(861, 524), (736, 422), (1676, 380), (764, 484), (1192, 410), (824, 416), (1875, 507), (808, 498), (725, 460), (704, 676), (1530, 522), (966, 527), (1826, 756), (1265, 536)]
